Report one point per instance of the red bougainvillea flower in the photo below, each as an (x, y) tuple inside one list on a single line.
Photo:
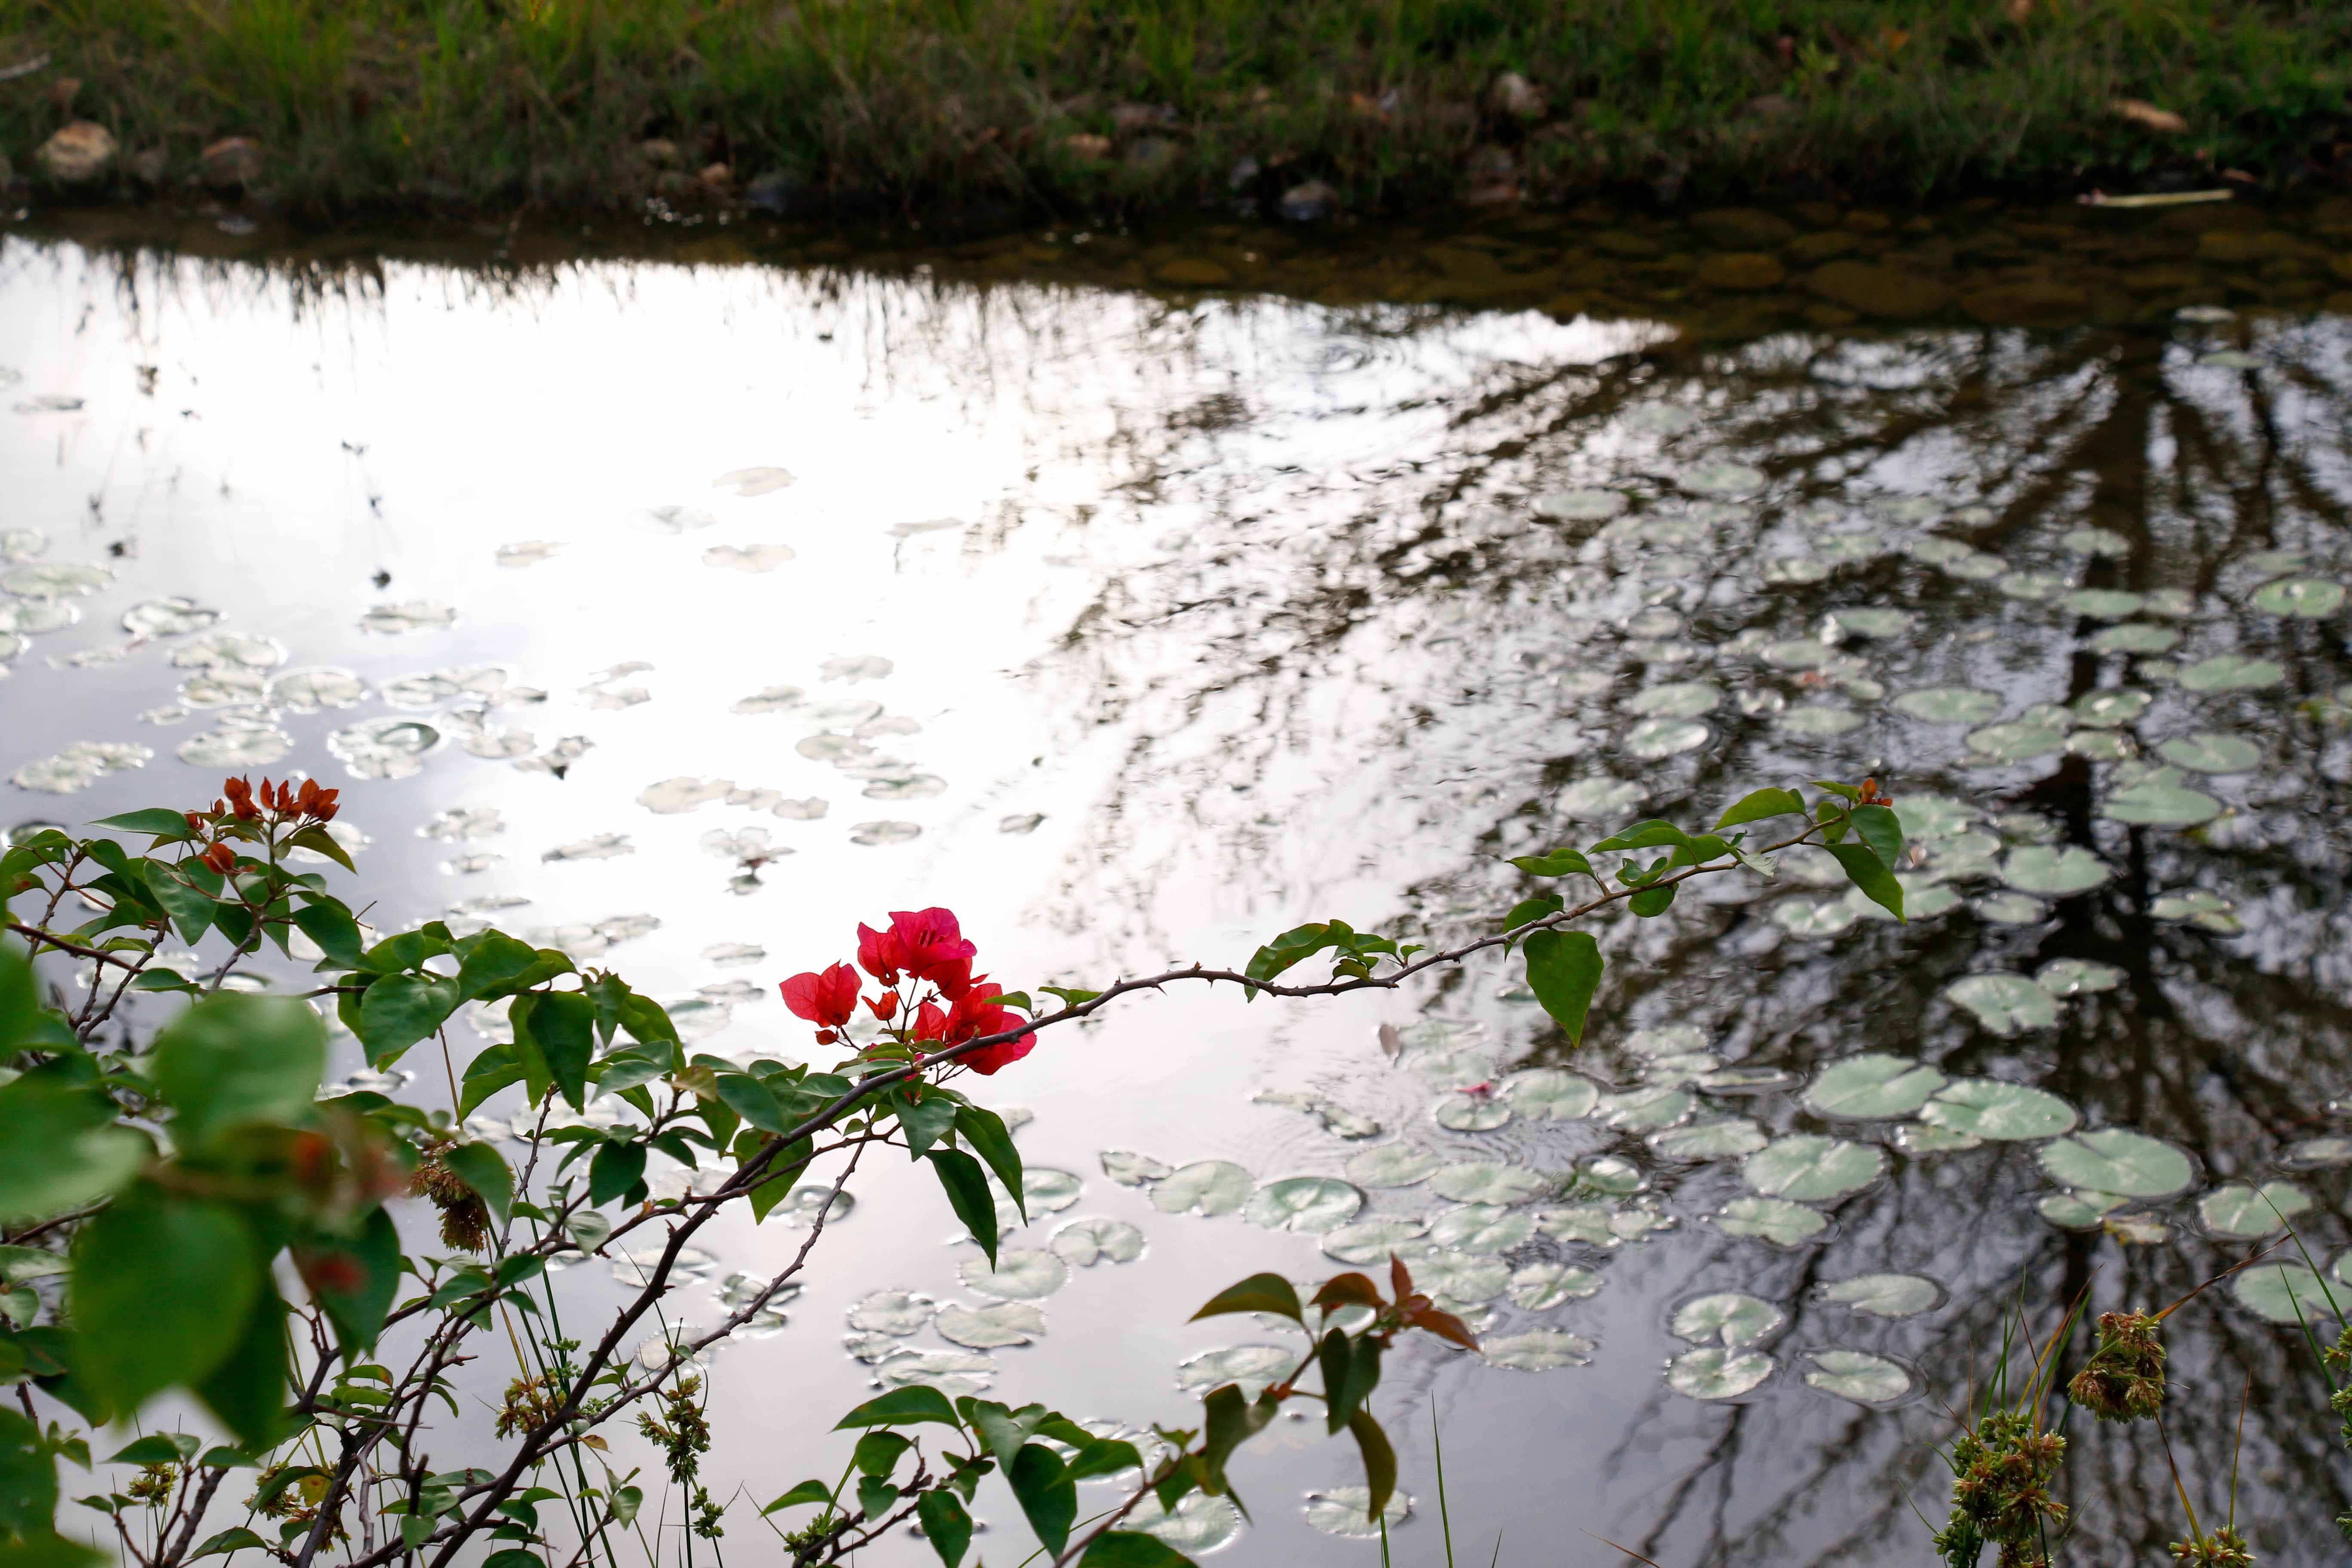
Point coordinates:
[(828, 1000), (929, 944), (975, 1013), (878, 955), (240, 798), (955, 979), (221, 859)]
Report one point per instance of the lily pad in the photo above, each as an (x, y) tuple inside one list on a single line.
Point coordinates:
[(1019, 1275), (1814, 917), (2310, 597), (1723, 478), (1546, 1094), (1640, 1109), (1653, 740), (2240, 1210), (1199, 1523), (1709, 1139), (2077, 1211), (1776, 1220), (2109, 707), (1873, 623), (1254, 1367), (1858, 1375), (1676, 699), (1489, 1182), (1456, 1279), (2231, 672), (1539, 1350), (2005, 1004), (1346, 1511), (1393, 1166), (2212, 753), (1715, 1372), (1084, 1243), (1988, 1108), (1205, 1186), (2118, 1160), (1926, 816), (2160, 800), (1371, 1240), (1133, 1170), (2101, 746), (1580, 506), (2064, 977), (2016, 743), (893, 1312), (2204, 910), (1871, 1086), (991, 1327), (1884, 1295), (954, 1373), (1820, 721), (1314, 1205), (1810, 1167), (2059, 871), (1482, 1229), (1948, 705), (2317, 1154), (1466, 1112), (2105, 604), (2282, 1292), (1539, 1287), (2136, 637), (1727, 1317)]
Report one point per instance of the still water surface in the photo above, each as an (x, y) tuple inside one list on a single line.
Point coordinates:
[(692, 609)]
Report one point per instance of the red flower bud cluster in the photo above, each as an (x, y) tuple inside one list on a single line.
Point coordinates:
[(221, 859), (925, 952)]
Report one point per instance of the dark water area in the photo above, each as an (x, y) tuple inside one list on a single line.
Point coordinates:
[(1140, 595)]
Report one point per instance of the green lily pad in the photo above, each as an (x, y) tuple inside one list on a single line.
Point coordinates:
[(2242, 1211), (1456, 1281), (1491, 1181), (2016, 743), (1709, 1139), (1640, 1109), (1603, 1224), (1810, 1167), (2108, 708), (1871, 1086), (2005, 1004), (1814, 917), (2160, 800), (1654, 739), (1927, 1138), (2030, 586), (1727, 1317), (1083, 1243), (1254, 1367), (2063, 977), (2317, 1154), (2283, 1293), (2231, 672), (1129, 1169), (1724, 478), (1923, 899), (1858, 1375), (1798, 652), (992, 1328), (2089, 541), (895, 1313), (1988, 1108), (1884, 1295), (2118, 1160), (1205, 1186), (1776, 1220), (2212, 753), (2077, 1211), (2310, 597), (1873, 623), (2105, 604), (1580, 506), (1482, 1229), (2059, 871), (1675, 700), (1348, 1511), (1948, 705), (2101, 746), (1820, 721), (1539, 1287), (1716, 1373), (1547, 1094), (2136, 637), (1464, 1112), (1393, 1166), (1539, 1350), (1925, 817), (1019, 1275), (2206, 910), (1371, 1240), (1311, 1204)]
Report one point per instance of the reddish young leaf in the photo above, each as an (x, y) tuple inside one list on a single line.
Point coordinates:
[(1400, 1277), (1348, 1290), (1444, 1325)]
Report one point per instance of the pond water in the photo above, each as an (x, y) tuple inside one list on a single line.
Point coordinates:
[(693, 596)]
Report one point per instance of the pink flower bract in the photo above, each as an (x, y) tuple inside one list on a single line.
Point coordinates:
[(829, 999), (975, 1013)]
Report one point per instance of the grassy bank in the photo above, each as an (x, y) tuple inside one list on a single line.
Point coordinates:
[(1066, 105)]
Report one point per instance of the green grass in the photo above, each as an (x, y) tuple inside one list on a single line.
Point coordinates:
[(917, 105)]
